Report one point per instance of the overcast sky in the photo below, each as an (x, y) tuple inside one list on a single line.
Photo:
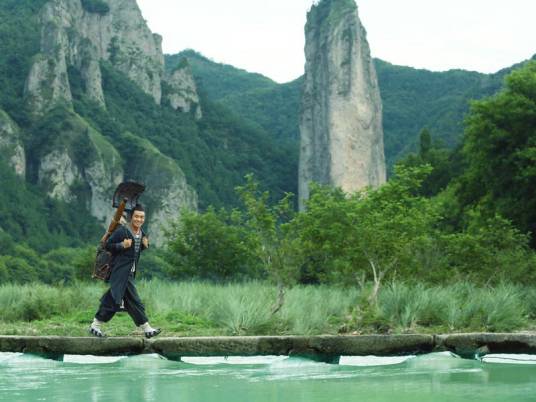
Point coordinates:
[(266, 36)]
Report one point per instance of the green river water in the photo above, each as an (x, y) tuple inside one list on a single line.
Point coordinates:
[(436, 377)]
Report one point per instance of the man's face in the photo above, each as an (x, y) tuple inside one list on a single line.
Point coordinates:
[(138, 217)]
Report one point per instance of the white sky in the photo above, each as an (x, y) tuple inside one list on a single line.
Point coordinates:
[(267, 37)]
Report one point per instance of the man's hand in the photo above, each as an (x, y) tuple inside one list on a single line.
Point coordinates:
[(145, 242), (127, 243)]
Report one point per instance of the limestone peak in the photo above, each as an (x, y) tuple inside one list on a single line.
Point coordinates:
[(341, 113), (81, 34), (329, 11)]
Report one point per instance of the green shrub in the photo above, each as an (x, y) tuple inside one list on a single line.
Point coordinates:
[(96, 6), (212, 246)]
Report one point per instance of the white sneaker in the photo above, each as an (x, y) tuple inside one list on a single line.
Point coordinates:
[(95, 330), (149, 331)]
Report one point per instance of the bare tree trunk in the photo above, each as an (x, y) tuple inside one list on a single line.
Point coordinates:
[(362, 281), (378, 276), (280, 298)]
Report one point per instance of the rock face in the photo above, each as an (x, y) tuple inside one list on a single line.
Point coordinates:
[(78, 163), (341, 114), (77, 34), (58, 173), (167, 192), (11, 147), (182, 94), (74, 162)]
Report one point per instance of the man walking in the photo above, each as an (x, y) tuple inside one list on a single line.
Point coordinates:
[(126, 245)]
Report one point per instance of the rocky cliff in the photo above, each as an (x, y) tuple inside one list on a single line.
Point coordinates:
[(76, 34), (167, 192), (71, 160), (182, 93), (341, 111), (11, 146), (76, 163), (80, 34)]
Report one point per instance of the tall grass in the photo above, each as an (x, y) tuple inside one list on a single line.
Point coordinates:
[(456, 307), (38, 301), (245, 309)]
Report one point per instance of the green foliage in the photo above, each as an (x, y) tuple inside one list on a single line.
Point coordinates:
[(446, 164), (61, 129), (218, 80), (376, 231), (250, 124), (373, 235), (262, 102), (19, 268), (277, 247), (228, 245), (214, 153), (460, 307), (273, 109), (212, 246), (96, 6), (154, 265), (182, 63), (415, 99), (38, 301), (31, 218), (412, 100), (20, 43), (328, 13), (500, 149), (489, 250)]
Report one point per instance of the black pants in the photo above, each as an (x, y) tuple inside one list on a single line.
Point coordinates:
[(133, 305)]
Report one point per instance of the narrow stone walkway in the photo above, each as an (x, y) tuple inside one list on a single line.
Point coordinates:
[(325, 348)]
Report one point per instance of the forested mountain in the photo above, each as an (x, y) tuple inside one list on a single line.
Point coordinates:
[(413, 99), (214, 152), (95, 116), (272, 106)]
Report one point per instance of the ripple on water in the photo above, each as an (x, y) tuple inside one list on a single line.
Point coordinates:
[(405, 376), (509, 359)]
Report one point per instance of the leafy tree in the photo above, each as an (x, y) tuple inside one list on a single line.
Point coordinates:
[(446, 164), (277, 246), (414, 99), (489, 250), (18, 269), (500, 150), (425, 142), (241, 244), (211, 245), (69, 264), (349, 238)]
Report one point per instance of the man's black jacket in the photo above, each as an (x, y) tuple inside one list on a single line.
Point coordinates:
[(123, 260)]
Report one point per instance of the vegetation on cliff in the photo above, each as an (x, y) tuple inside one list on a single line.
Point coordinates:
[(96, 6), (327, 13)]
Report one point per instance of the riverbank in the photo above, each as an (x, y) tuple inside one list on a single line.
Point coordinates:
[(201, 309)]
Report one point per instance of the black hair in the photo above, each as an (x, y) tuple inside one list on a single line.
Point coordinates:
[(137, 207)]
